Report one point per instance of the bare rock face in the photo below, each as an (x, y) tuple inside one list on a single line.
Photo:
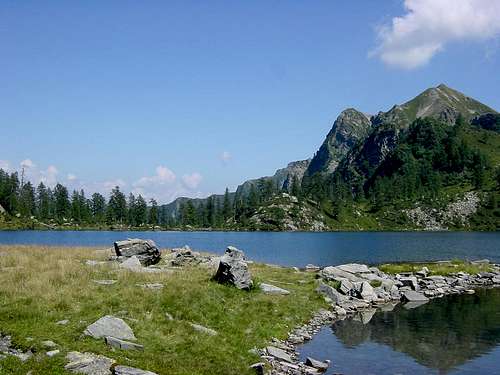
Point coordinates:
[(88, 363), (233, 269), (145, 250)]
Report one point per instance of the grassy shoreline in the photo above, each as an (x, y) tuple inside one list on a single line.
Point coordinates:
[(40, 286)]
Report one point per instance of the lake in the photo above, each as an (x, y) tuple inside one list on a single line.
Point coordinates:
[(457, 335), (297, 248)]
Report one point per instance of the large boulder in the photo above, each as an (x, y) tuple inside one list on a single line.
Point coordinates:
[(145, 250), (234, 270)]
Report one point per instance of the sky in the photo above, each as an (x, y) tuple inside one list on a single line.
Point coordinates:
[(186, 98)]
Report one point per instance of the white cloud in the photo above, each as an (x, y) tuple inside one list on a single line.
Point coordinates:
[(111, 184), (27, 164), (48, 176), (412, 40), (192, 181), (71, 177), (5, 165), (163, 176), (225, 156)]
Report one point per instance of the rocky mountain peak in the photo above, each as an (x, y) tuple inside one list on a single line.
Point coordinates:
[(350, 127)]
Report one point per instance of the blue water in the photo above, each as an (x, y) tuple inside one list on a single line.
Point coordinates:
[(456, 335), (294, 249)]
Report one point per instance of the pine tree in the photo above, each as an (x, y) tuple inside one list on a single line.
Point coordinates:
[(98, 207), (42, 202), (117, 207), (153, 213), (227, 207), (27, 200), (141, 211), (61, 202)]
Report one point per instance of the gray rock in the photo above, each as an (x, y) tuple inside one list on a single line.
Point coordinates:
[(62, 322), (202, 329), (133, 264), (319, 365), (271, 289), (110, 326), (412, 296), (279, 354), (169, 316), (312, 268), (409, 281), (94, 263), (234, 270), (125, 370), (346, 286), (145, 250), (331, 293), (49, 344), (53, 353), (354, 268), (367, 293), (88, 363), (105, 282), (153, 286), (414, 304), (122, 344), (335, 273)]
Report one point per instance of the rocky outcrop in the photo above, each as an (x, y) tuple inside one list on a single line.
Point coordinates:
[(145, 250), (233, 270), (456, 213), (88, 363), (350, 128)]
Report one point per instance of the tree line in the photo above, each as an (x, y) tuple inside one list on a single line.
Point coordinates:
[(59, 206)]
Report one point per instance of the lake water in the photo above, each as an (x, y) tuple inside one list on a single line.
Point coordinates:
[(294, 249), (453, 335)]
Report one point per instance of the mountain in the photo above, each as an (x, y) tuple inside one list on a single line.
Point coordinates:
[(432, 162), (440, 103), (350, 128)]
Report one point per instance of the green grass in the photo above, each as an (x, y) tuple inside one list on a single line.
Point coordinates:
[(441, 269), (40, 286)]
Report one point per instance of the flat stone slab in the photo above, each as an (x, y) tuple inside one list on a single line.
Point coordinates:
[(110, 326), (133, 264), (62, 322), (53, 353), (105, 282), (122, 344), (279, 354), (203, 329), (124, 370), (88, 363), (271, 289), (412, 296), (154, 286)]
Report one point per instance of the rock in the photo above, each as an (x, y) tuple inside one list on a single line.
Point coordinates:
[(105, 282), (279, 354), (153, 286), (335, 273), (124, 370), (367, 293), (330, 292), (354, 268), (271, 289), (53, 353), (312, 268), (203, 329), (346, 286), (234, 270), (414, 305), (110, 326), (322, 366), (258, 368), (88, 363), (412, 296), (62, 322), (49, 344), (122, 344), (145, 250), (185, 256), (133, 264), (169, 316), (410, 281), (94, 263)]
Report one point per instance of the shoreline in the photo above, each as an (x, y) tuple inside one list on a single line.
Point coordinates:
[(321, 296)]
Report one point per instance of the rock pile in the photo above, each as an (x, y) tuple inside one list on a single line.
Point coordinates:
[(233, 269), (144, 250), (6, 348), (358, 289)]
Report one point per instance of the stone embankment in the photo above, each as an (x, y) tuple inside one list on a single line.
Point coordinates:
[(358, 289)]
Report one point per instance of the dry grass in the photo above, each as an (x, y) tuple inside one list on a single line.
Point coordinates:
[(441, 269), (42, 285)]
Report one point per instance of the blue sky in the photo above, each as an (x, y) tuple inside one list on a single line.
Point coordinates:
[(170, 98)]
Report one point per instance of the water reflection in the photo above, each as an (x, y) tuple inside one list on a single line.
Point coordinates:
[(456, 334)]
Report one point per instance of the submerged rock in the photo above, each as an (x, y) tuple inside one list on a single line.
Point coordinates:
[(234, 270), (145, 250), (412, 296)]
